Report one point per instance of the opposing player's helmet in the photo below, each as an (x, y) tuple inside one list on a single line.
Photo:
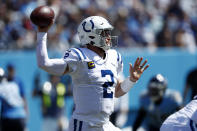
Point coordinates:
[(95, 30), (2, 74), (157, 87)]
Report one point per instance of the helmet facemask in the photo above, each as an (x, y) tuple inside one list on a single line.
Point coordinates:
[(106, 39), (156, 90)]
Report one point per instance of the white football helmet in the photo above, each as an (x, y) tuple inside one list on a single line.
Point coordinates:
[(96, 30)]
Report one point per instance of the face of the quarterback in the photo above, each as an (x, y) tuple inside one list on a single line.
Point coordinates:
[(106, 34)]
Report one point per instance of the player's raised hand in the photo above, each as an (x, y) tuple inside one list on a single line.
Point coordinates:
[(137, 70)]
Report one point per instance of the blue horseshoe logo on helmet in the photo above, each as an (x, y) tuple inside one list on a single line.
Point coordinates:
[(84, 23)]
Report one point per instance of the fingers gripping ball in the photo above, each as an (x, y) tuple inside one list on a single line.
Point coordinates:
[(42, 16)]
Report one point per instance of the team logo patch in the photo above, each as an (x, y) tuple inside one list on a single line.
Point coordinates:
[(91, 65), (67, 54)]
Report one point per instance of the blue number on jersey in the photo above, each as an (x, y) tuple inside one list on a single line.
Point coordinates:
[(107, 84)]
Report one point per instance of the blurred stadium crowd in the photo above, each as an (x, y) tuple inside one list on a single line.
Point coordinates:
[(138, 23)]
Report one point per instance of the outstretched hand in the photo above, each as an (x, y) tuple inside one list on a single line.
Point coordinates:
[(137, 70)]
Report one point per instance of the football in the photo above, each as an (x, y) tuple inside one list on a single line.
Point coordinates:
[(42, 16)]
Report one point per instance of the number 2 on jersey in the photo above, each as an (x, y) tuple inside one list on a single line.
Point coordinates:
[(107, 84)]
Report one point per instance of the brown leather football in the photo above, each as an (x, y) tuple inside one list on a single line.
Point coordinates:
[(42, 16)]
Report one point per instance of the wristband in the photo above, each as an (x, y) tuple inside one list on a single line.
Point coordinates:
[(127, 84)]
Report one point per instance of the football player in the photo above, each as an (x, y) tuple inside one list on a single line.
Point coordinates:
[(95, 70), (13, 113), (157, 103), (183, 120)]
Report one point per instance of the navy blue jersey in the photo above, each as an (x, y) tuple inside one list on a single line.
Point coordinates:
[(156, 114)]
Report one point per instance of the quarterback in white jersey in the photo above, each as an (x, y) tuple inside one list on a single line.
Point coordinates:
[(95, 70), (183, 120)]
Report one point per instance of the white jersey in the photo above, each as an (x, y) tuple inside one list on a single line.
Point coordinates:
[(190, 110), (9, 91), (183, 120), (94, 82)]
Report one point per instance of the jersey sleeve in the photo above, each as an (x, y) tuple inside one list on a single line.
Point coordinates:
[(72, 58)]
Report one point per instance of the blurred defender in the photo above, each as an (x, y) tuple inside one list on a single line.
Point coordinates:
[(157, 103), (13, 113), (95, 70)]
